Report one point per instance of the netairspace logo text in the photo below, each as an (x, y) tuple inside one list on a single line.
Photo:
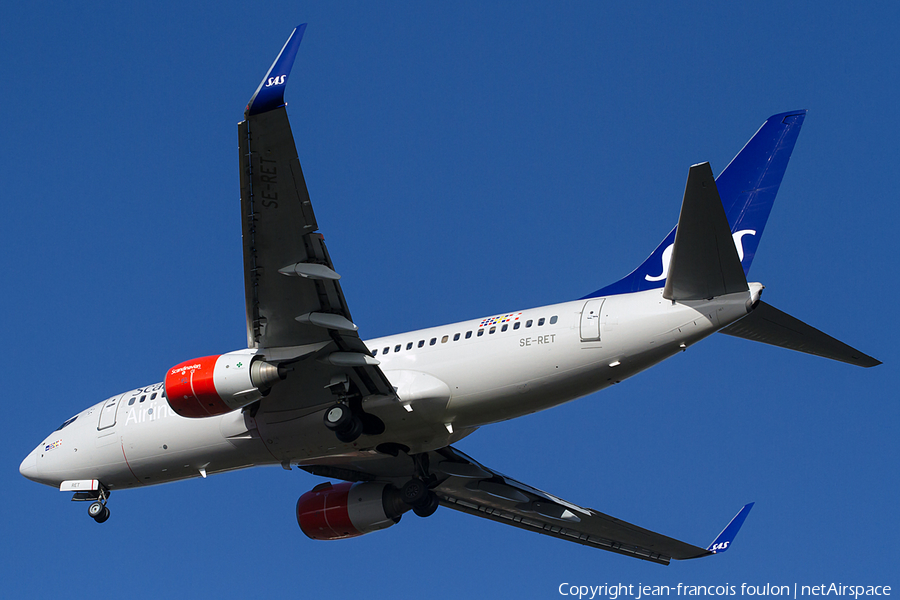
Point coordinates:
[(614, 591)]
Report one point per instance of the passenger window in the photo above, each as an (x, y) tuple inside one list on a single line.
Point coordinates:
[(153, 397), (493, 329), (386, 350), (397, 348), (444, 339), (480, 332), (528, 323), (455, 337), (144, 397), (516, 325), (130, 402), (505, 327), (375, 352), (432, 342), (409, 346), (164, 394), (540, 321), (468, 334), (421, 343), (553, 319)]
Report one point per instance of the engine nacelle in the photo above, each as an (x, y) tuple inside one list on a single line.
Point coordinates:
[(215, 385), (345, 510)]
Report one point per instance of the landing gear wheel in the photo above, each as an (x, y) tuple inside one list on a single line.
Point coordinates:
[(414, 492), (353, 431), (427, 507), (338, 417), (98, 512), (95, 510), (341, 420), (103, 516)]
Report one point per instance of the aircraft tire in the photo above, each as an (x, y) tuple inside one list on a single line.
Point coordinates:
[(414, 492), (103, 516), (352, 431), (95, 510), (339, 417), (428, 506)]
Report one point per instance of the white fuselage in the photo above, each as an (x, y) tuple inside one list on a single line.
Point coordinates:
[(450, 380)]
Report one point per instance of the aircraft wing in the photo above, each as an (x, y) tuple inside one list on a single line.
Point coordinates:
[(505, 500), (465, 485), (295, 307)]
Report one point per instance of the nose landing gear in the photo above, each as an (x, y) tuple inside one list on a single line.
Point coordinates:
[(98, 499)]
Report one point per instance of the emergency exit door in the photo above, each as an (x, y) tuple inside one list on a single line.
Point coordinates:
[(590, 320)]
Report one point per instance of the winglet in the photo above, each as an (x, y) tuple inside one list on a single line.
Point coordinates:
[(725, 538), (270, 93)]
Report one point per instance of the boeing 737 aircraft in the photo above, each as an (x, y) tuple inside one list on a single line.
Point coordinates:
[(381, 415)]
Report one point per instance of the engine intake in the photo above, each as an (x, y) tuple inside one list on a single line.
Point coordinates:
[(345, 510), (215, 385)]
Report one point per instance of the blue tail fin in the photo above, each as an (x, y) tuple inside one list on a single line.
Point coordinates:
[(747, 187)]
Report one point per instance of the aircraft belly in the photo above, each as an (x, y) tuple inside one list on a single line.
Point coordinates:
[(161, 446), (305, 438)]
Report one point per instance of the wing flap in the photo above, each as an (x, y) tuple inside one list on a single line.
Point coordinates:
[(600, 531), (548, 515)]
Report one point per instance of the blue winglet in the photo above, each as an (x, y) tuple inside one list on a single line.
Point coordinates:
[(270, 93), (725, 538)]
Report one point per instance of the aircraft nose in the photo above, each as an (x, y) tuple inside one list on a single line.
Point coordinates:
[(28, 468)]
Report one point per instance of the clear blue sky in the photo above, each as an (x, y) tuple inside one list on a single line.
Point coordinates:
[(463, 161)]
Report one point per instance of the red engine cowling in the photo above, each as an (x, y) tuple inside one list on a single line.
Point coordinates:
[(215, 385), (345, 510)]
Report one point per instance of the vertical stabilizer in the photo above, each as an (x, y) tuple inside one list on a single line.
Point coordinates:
[(747, 188)]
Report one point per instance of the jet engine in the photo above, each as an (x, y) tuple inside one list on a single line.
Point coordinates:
[(215, 385), (345, 510)]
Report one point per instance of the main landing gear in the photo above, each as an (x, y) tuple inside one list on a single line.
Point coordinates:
[(417, 492), (424, 501), (341, 420)]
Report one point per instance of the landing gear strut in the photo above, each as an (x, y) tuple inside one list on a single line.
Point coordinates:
[(97, 510)]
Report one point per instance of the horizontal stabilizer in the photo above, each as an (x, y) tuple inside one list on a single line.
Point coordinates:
[(769, 325), (704, 262)]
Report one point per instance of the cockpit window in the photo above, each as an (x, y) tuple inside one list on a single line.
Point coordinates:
[(69, 422)]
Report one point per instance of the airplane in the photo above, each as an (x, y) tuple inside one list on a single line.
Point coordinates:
[(381, 416)]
